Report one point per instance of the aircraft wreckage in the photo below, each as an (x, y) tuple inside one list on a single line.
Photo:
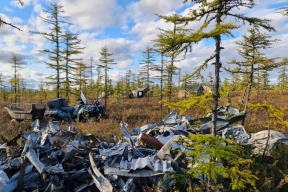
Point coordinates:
[(56, 160)]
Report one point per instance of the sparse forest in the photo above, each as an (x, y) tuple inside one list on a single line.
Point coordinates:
[(232, 167)]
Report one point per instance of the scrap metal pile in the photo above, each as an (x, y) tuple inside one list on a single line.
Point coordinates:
[(61, 160)]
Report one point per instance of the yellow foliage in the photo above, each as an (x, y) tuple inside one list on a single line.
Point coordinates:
[(204, 102), (275, 116)]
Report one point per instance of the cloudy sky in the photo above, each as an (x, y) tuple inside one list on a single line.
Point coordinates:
[(126, 27)]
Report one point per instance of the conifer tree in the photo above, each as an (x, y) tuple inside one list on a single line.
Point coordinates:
[(3, 91), (163, 49), (254, 59), (91, 67), (91, 87), (106, 62), (213, 14), (265, 80), (128, 81), (162, 77), (120, 87), (42, 93), (1, 82), (80, 75), (147, 65), (139, 82), (54, 19), (235, 83), (72, 48), (99, 80), (283, 77), (169, 71), (218, 164), (17, 64)]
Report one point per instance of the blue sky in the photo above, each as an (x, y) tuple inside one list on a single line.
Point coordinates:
[(126, 27)]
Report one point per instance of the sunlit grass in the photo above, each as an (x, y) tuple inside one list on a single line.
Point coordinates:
[(138, 112)]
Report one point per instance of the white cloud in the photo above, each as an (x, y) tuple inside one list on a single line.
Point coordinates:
[(95, 14), (26, 3), (145, 10), (8, 9)]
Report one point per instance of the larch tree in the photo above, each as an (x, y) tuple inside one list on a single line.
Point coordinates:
[(17, 65), (254, 60), (42, 93), (128, 81), (171, 70), (265, 80), (217, 164), (106, 62), (3, 92), (164, 41), (80, 74), (134, 80), (162, 76), (71, 50), (147, 65), (215, 16), (91, 82), (1, 82), (99, 79), (283, 76), (91, 67), (55, 19)]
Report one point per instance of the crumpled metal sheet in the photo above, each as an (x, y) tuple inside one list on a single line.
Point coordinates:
[(13, 163), (32, 156), (13, 181), (237, 133), (125, 131), (136, 173), (259, 140), (101, 182), (64, 160), (3, 180), (153, 163), (118, 150)]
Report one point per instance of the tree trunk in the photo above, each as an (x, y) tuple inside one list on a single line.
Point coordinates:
[(161, 83), (216, 95)]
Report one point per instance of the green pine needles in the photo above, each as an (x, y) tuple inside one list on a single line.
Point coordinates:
[(216, 164)]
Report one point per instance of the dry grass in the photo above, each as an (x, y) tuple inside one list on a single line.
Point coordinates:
[(138, 112)]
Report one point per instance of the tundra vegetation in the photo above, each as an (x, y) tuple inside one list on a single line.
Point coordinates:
[(230, 167)]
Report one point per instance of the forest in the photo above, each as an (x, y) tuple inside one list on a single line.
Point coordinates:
[(247, 88)]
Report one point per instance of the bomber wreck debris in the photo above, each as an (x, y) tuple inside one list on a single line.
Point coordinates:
[(56, 160), (58, 110)]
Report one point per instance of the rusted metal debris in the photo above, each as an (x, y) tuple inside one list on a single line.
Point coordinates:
[(61, 160)]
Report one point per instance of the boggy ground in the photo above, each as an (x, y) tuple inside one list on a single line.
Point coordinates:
[(141, 111)]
